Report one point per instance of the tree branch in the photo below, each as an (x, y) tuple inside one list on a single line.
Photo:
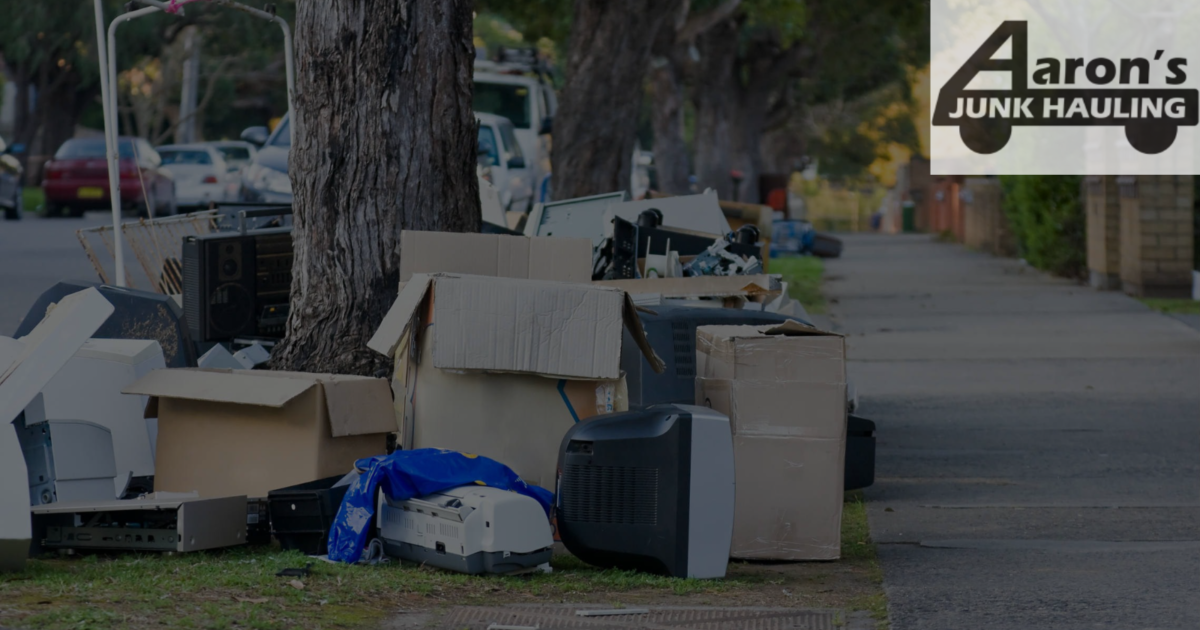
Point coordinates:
[(697, 25)]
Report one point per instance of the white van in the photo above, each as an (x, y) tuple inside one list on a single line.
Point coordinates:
[(508, 90)]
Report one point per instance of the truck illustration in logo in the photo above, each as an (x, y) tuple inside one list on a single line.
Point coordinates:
[(985, 118)]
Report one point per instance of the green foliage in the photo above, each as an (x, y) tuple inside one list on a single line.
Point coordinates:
[(1172, 306), (786, 17), (1047, 217), (803, 275)]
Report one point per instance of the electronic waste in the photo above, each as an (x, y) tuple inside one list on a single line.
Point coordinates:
[(469, 529)]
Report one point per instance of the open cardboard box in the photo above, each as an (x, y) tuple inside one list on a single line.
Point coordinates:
[(503, 367), (247, 432)]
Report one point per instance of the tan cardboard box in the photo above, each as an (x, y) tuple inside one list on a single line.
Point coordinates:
[(231, 432), (499, 255), (784, 390), (504, 367)]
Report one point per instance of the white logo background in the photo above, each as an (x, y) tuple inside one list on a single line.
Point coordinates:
[(1062, 29)]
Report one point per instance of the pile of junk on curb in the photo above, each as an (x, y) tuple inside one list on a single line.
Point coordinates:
[(622, 379)]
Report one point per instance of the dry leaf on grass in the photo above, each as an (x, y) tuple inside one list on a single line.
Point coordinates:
[(297, 584)]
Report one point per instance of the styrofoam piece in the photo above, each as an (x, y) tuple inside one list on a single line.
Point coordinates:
[(89, 388), (252, 355), (27, 365), (219, 357)]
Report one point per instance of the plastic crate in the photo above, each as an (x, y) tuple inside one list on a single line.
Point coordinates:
[(302, 515)]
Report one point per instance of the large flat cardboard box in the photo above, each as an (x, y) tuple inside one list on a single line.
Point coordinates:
[(504, 367), (783, 387), (235, 432), (498, 255)]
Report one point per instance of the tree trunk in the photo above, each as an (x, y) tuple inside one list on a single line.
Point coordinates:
[(596, 124), (666, 84), (716, 91), (384, 140), (749, 122)]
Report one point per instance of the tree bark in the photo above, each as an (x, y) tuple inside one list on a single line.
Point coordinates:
[(384, 140), (716, 100), (596, 124), (666, 85)]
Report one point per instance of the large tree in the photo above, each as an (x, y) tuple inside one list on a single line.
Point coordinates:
[(384, 140), (596, 125)]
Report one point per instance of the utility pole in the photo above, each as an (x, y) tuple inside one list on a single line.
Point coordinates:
[(186, 131)]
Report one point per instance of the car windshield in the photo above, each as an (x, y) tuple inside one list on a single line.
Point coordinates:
[(185, 157), (235, 154), (489, 153), (510, 141), (509, 101), (283, 135), (89, 148)]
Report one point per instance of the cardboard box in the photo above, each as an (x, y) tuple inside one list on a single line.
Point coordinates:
[(784, 389), (498, 255), (233, 432), (482, 324), (504, 367)]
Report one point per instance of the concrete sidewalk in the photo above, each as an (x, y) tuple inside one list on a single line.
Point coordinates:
[(1039, 442)]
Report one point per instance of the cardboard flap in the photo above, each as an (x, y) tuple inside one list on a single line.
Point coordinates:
[(243, 387), (398, 319), (634, 324), (359, 406)]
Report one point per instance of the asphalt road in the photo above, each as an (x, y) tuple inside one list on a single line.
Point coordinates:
[(1038, 442), (34, 255)]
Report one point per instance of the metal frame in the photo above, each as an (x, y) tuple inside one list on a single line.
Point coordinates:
[(106, 49)]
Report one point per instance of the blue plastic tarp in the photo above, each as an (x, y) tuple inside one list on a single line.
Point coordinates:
[(404, 475)]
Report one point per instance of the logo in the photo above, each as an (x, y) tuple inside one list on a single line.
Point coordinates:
[(1109, 95)]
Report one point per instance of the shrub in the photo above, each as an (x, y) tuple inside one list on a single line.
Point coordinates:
[(1046, 214)]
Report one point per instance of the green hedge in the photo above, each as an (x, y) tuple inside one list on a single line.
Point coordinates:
[(1047, 216)]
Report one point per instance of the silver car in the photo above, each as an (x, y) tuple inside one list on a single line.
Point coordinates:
[(202, 177)]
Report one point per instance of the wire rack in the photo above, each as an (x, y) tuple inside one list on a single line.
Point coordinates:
[(157, 244)]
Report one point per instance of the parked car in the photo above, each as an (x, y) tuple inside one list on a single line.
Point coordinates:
[(76, 179), (238, 154), (266, 178), (504, 162), (200, 172), (11, 199), (519, 93)]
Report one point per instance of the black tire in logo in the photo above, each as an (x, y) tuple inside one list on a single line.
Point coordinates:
[(1151, 137), (985, 136)]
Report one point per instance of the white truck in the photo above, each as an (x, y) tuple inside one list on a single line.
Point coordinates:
[(517, 89)]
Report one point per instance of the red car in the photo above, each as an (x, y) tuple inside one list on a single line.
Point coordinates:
[(77, 179)]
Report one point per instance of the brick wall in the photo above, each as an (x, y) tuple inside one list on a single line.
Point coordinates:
[(1156, 235), (1103, 207)]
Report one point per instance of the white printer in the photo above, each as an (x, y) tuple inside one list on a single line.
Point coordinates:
[(469, 529)]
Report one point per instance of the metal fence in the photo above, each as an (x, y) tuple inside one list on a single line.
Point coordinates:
[(157, 244)]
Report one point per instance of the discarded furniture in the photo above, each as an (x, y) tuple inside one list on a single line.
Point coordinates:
[(651, 490), (158, 522), (142, 315), (247, 432), (89, 388), (783, 387), (469, 529), (301, 515)]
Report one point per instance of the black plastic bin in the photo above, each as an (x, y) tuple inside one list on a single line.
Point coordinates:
[(302, 515), (860, 453)]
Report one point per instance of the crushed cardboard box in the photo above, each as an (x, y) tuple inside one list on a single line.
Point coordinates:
[(235, 432), (784, 389), (505, 256), (502, 367)]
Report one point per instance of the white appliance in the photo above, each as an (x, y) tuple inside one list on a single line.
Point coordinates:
[(469, 529), (66, 460), (89, 388)]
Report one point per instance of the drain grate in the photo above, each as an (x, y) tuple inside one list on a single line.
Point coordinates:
[(666, 618)]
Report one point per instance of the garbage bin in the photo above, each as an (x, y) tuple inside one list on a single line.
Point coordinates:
[(908, 217)]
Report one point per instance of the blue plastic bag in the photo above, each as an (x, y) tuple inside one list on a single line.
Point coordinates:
[(407, 474)]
